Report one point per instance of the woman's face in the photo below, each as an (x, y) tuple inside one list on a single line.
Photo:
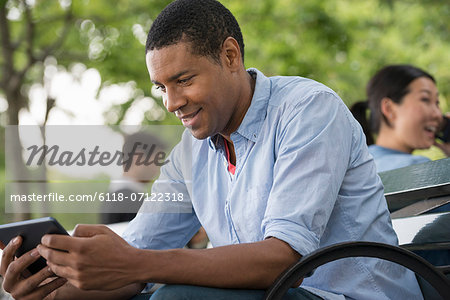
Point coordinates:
[(418, 116)]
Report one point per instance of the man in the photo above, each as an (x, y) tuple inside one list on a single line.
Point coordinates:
[(274, 168)]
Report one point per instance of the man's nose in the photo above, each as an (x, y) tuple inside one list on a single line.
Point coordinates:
[(173, 100)]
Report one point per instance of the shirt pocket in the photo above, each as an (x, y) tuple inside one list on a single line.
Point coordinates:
[(252, 212)]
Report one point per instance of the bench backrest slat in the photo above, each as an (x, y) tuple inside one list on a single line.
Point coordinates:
[(407, 185)]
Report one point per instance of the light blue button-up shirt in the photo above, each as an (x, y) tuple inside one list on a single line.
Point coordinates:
[(389, 159), (303, 175)]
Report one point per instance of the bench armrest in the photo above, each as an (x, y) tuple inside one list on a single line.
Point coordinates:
[(359, 249)]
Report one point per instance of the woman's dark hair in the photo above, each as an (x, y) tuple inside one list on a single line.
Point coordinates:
[(390, 82)]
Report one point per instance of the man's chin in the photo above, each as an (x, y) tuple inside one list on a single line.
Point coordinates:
[(198, 134)]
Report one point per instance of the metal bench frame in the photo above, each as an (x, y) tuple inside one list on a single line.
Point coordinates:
[(307, 264)]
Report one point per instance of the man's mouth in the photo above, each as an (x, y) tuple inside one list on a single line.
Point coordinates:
[(188, 119)]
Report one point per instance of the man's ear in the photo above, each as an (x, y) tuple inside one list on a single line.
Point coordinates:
[(231, 54), (389, 110)]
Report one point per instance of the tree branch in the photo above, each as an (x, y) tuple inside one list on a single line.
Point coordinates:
[(49, 49), (29, 35), (7, 50), (67, 25), (15, 44), (50, 104), (29, 29)]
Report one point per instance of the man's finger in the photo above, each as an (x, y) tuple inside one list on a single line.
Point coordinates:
[(58, 241), (8, 253), (20, 264), (61, 271), (66, 242), (16, 267), (47, 288), (84, 230), (55, 256), (32, 282)]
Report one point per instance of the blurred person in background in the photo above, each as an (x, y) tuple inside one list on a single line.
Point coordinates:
[(403, 101), (135, 180)]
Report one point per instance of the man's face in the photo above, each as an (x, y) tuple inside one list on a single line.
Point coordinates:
[(195, 88)]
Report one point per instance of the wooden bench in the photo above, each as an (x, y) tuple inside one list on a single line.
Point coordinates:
[(424, 239)]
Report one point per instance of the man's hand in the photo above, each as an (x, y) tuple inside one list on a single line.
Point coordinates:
[(19, 282), (95, 258)]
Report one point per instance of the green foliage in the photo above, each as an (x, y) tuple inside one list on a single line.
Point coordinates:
[(343, 43), (340, 43)]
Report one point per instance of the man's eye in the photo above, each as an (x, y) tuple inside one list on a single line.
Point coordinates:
[(161, 88), (184, 81), (426, 100)]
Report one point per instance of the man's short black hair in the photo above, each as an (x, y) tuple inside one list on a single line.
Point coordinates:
[(204, 23)]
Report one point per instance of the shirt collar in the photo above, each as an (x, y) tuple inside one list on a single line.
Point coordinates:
[(250, 126)]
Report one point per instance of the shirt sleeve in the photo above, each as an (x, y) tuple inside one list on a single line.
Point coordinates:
[(166, 219), (312, 156)]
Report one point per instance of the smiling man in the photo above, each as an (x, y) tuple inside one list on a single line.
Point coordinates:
[(274, 168), (207, 98)]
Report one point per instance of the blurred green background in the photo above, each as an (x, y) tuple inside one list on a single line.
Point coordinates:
[(340, 43)]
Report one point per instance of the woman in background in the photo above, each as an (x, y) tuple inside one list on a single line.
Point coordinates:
[(404, 114)]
